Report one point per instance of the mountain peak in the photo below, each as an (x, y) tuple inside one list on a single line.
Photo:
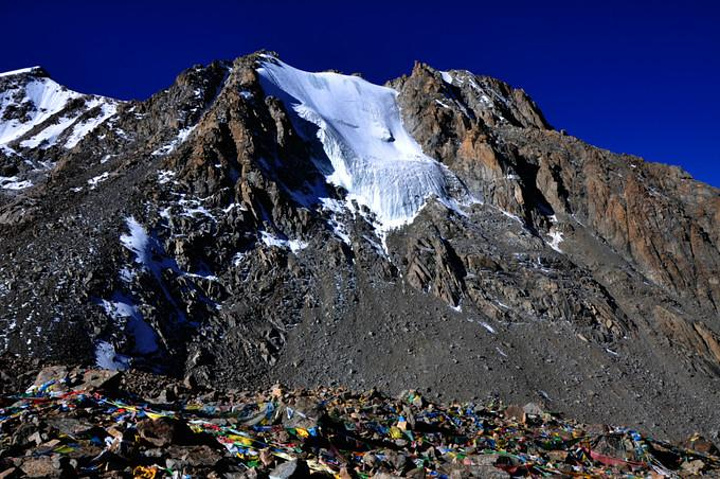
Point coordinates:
[(433, 232), (36, 71), (38, 115)]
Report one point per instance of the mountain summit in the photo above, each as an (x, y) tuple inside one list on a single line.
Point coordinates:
[(256, 223)]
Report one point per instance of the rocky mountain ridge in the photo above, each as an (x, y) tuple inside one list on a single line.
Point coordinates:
[(207, 233)]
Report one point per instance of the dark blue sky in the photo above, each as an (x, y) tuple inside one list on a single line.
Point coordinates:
[(634, 77)]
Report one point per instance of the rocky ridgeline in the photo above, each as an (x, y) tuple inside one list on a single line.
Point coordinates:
[(197, 234), (92, 423)]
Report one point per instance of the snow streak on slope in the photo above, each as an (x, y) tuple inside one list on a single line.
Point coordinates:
[(37, 110), (372, 155), (82, 128)]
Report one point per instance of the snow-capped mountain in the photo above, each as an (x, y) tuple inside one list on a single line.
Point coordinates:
[(38, 114), (255, 223)]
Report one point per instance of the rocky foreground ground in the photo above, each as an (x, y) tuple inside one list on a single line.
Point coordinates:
[(89, 423)]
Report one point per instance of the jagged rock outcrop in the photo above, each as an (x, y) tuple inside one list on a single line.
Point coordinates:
[(221, 231)]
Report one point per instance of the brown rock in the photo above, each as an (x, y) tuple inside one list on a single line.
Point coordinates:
[(39, 467), (698, 443), (55, 374), (9, 473), (344, 474), (164, 431), (557, 456), (266, 457), (693, 468), (294, 469), (515, 412), (93, 379), (194, 456), (533, 409)]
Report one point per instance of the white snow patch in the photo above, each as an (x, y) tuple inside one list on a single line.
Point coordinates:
[(340, 230), (205, 276), (80, 130), (336, 206), (136, 241), (238, 258), (232, 206), (19, 72), (127, 275), (150, 255), (93, 182), (192, 207), (379, 248), (447, 77), (14, 183), (372, 155), (488, 327), (513, 217), (7, 150), (178, 140), (165, 176), (107, 358), (271, 240), (556, 237), (48, 137), (143, 334)]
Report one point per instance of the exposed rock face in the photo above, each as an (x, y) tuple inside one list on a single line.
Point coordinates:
[(653, 215), (197, 234)]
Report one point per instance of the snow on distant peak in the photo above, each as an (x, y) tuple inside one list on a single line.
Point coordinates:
[(21, 71), (372, 156), (49, 111)]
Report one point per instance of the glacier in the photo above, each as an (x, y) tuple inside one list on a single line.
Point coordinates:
[(359, 125)]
